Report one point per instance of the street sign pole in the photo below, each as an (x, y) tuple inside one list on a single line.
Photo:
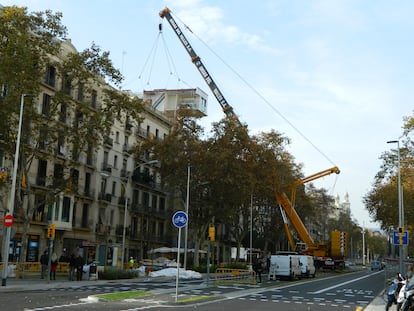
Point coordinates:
[(179, 220), (178, 265)]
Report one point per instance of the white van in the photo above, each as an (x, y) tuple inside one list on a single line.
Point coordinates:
[(284, 266), (307, 265)]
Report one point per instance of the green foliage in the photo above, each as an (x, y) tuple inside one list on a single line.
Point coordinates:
[(115, 274)]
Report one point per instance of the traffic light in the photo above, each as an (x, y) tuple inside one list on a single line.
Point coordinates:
[(212, 233), (51, 231), (400, 235)]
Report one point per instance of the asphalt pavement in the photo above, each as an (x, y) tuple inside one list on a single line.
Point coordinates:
[(30, 284)]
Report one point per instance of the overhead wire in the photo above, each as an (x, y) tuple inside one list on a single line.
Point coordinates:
[(251, 87)]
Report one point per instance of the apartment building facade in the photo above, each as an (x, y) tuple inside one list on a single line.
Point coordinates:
[(114, 198)]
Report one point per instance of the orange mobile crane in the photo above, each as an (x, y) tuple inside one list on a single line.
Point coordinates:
[(319, 250)]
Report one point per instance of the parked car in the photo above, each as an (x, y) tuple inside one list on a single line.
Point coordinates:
[(376, 265)]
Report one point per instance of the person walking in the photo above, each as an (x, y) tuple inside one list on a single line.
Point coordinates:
[(72, 267), (53, 266), (131, 263), (79, 267), (44, 261), (258, 267)]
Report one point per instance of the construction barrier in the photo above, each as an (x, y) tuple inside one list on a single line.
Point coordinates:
[(224, 275), (21, 268)]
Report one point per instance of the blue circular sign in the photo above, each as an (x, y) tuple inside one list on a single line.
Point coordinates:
[(180, 219)]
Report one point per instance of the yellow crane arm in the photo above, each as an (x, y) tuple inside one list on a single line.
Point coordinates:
[(320, 174)]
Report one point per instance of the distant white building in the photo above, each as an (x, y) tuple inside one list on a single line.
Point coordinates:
[(341, 206)]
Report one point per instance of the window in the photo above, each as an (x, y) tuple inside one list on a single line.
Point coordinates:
[(75, 178), (61, 146), (162, 204), (66, 84), (43, 138), (3, 90), (145, 199), (113, 187), (115, 161), (81, 95), (58, 173), (87, 188), (94, 97), (157, 133), (41, 173), (63, 111), (46, 104), (126, 141), (66, 209), (117, 137), (85, 212), (148, 131), (154, 202), (50, 76)]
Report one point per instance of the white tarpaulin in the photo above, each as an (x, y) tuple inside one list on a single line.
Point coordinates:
[(163, 250)]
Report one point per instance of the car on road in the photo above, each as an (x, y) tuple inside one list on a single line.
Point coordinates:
[(376, 265)]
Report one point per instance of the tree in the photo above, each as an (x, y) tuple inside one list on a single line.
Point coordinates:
[(382, 200), (35, 58)]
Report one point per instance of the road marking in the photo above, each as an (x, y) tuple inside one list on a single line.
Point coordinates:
[(340, 284), (57, 307)]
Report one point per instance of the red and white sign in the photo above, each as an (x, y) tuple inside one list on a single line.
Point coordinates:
[(8, 220)]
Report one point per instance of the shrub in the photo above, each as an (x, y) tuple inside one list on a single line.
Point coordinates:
[(115, 274)]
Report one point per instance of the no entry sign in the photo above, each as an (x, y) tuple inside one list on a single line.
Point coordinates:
[(8, 220)]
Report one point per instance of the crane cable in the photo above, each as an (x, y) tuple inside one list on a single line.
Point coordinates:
[(258, 94), (170, 60)]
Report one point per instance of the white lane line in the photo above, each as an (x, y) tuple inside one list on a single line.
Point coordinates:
[(340, 284)]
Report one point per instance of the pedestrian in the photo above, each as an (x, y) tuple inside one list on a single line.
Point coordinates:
[(53, 266), (131, 263), (79, 267), (258, 267), (72, 267), (409, 273), (44, 261)]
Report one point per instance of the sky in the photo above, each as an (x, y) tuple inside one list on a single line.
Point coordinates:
[(333, 76)]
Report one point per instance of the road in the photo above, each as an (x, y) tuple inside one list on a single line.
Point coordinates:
[(341, 292)]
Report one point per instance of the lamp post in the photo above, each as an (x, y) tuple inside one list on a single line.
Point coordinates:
[(186, 211), (124, 227), (400, 211), (13, 191)]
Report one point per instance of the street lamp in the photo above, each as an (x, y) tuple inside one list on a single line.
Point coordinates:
[(400, 211), (186, 211), (13, 191)]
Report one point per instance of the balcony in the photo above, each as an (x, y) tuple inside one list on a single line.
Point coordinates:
[(128, 127), (108, 142), (106, 168), (144, 178), (107, 197), (126, 148)]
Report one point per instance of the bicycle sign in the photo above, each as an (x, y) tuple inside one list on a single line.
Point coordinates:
[(180, 219)]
